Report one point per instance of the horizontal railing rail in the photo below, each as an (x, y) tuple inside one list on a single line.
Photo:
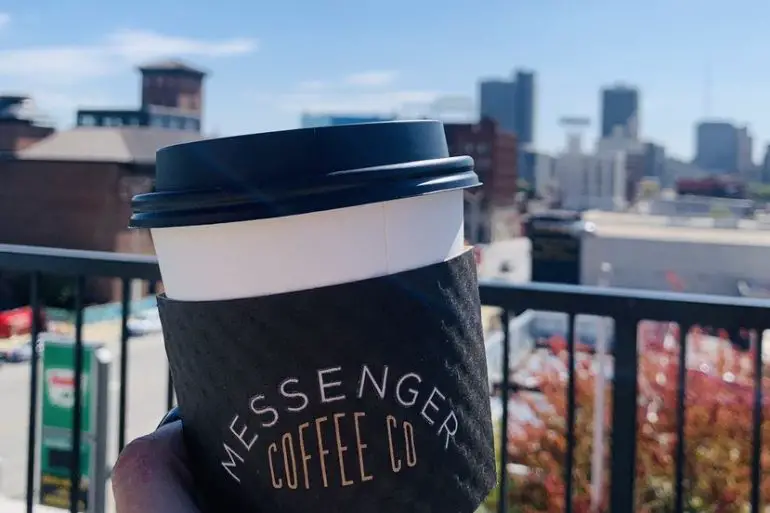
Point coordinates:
[(72, 262), (627, 308)]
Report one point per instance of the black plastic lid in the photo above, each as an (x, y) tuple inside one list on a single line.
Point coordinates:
[(278, 174)]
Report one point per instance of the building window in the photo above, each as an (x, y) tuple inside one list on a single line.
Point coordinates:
[(482, 149), (86, 120), (155, 121), (134, 121)]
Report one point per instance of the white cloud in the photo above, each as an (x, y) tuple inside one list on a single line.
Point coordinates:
[(5, 19), (70, 64), (356, 93), (371, 78), (55, 64), (61, 78), (139, 45), (351, 102), (312, 85)]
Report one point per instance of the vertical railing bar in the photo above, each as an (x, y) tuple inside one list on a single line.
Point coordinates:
[(170, 392), (125, 303), (77, 412), (34, 300), (502, 502), (681, 417), (624, 411), (570, 455), (756, 460)]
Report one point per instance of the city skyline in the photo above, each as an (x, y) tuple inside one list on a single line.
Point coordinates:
[(272, 64)]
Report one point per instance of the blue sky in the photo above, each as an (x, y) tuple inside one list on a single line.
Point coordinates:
[(271, 60)]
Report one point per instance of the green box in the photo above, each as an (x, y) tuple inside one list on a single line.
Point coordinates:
[(58, 406)]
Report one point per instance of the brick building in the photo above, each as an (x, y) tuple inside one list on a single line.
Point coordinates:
[(172, 97), (17, 129), (495, 153), (73, 190)]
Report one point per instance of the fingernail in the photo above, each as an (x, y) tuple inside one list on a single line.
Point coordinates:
[(171, 416)]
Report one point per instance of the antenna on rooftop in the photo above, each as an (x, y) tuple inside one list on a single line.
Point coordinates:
[(707, 91)]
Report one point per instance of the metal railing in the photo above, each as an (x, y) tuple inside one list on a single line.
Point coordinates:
[(78, 265), (626, 307)]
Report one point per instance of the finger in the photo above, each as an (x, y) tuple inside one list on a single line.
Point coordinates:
[(152, 476)]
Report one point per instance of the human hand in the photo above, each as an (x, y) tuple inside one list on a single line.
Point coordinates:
[(152, 474)]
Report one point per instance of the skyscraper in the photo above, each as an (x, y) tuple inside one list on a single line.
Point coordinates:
[(721, 146), (498, 102), (524, 109), (511, 103), (745, 162), (765, 174), (620, 112)]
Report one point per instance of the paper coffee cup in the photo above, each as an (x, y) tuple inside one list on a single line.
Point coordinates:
[(358, 238), (322, 319)]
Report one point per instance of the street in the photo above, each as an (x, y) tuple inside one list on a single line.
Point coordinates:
[(146, 405)]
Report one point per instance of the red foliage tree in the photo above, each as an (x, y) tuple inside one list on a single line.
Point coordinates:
[(718, 434)]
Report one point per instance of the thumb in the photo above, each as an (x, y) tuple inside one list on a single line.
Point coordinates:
[(152, 474)]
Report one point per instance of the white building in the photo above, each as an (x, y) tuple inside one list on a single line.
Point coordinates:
[(591, 181), (546, 181), (618, 142)]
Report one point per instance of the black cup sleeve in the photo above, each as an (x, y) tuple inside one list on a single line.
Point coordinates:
[(362, 397)]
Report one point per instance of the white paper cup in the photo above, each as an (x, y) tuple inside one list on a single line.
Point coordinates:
[(272, 256)]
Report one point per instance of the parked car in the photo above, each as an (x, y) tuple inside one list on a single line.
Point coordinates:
[(21, 350), (144, 323), (19, 322), (19, 353)]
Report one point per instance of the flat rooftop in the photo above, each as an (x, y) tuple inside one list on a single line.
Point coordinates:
[(704, 230)]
